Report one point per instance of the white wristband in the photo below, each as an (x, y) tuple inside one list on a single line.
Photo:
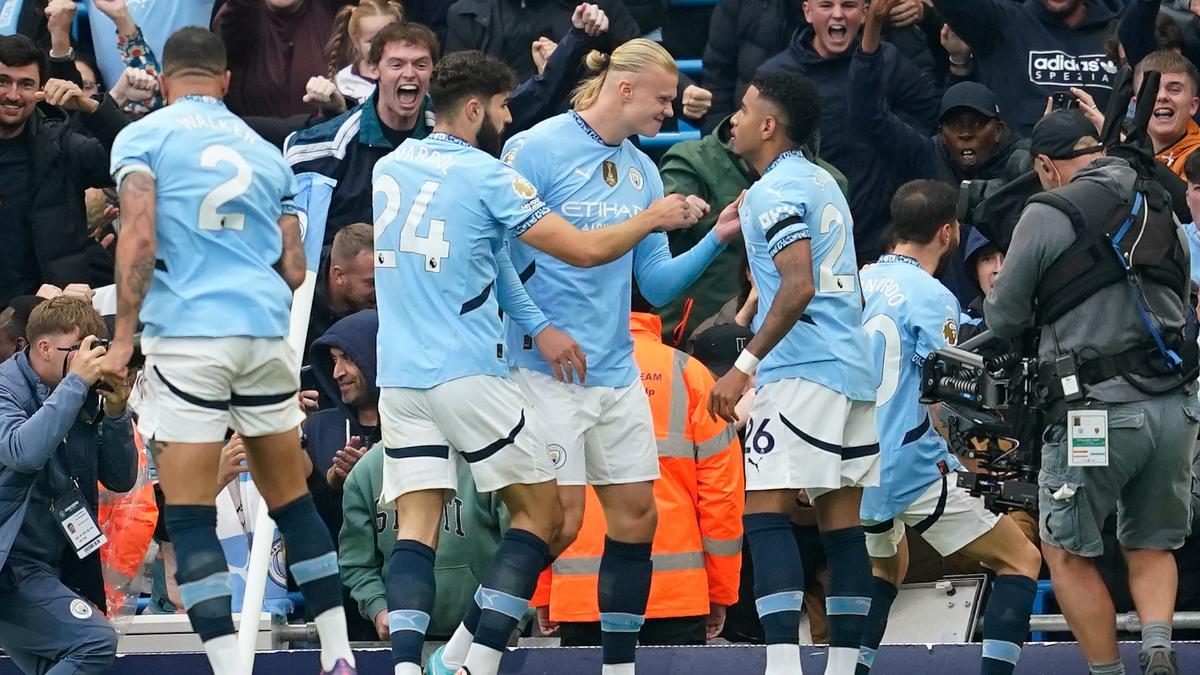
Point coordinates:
[(746, 362)]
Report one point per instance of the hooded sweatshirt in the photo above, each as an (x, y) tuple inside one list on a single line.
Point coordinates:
[(1025, 54), (326, 430), (910, 94), (973, 246)]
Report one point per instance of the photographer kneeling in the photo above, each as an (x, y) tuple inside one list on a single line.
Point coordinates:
[(1121, 423), (56, 441)]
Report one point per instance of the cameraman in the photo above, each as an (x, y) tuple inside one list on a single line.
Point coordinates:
[(56, 442), (1105, 343)]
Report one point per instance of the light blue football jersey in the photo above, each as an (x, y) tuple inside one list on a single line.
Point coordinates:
[(592, 185), (908, 315), (443, 209), (221, 190), (796, 199), (1193, 239)]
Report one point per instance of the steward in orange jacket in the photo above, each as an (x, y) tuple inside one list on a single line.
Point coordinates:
[(697, 550)]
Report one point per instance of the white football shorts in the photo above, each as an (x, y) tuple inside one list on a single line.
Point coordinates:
[(482, 419), (594, 435), (193, 390), (945, 515), (803, 435)]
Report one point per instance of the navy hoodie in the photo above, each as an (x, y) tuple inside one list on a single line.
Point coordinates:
[(910, 94), (1025, 54), (325, 430)]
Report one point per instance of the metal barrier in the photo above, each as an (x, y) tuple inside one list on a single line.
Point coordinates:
[(1126, 623)]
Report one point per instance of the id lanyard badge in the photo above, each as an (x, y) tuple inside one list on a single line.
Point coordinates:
[(1087, 438), (78, 523)]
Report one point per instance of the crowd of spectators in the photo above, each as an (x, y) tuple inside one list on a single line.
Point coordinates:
[(947, 90)]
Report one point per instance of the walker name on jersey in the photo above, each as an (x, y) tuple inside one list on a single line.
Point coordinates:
[(886, 286), (226, 124), (607, 213), (768, 218), (416, 152)]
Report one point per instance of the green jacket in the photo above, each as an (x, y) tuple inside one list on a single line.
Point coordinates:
[(471, 529), (708, 169)]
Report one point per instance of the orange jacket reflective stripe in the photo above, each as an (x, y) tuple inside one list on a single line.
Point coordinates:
[(697, 550)]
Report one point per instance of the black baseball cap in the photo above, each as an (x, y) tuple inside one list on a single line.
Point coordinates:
[(971, 95), (718, 346), (1057, 134)]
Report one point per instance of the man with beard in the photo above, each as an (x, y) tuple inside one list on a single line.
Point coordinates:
[(908, 316), (445, 209), (1172, 128), (218, 359), (345, 280), (600, 430), (823, 53), (1029, 50), (337, 437)]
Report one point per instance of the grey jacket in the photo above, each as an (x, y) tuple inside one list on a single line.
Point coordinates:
[(1107, 323), (46, 440)]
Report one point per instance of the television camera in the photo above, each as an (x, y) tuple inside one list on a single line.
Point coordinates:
[(993, 414)]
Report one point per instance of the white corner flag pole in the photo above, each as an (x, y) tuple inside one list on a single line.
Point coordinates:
[(313, 234)]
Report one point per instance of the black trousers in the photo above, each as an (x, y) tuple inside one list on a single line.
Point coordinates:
[(687, 630)]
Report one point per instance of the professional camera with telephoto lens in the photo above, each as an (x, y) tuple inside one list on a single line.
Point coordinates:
[(992, 406)]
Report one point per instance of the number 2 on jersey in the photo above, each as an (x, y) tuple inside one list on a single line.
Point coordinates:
[(433, 247), (828, 281), (212, 157), (886, 327)]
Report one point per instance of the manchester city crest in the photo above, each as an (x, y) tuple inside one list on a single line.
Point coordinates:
[(609, 171), (635, 178), (277, 568), (80, 609), (557, 454)]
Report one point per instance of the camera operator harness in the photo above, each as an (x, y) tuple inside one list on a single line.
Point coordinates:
[(1128, 241), (1000, 397)]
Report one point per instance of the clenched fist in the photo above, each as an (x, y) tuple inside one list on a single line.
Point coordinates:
[(325, 94), (676, 212), (696, 102), (590, 19)]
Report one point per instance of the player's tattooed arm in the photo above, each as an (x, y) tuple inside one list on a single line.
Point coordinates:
[(135, 250), (134, 266), (291, 264)]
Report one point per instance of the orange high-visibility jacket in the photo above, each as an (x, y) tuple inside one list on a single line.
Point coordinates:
[(700, 496), (128, 521)]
